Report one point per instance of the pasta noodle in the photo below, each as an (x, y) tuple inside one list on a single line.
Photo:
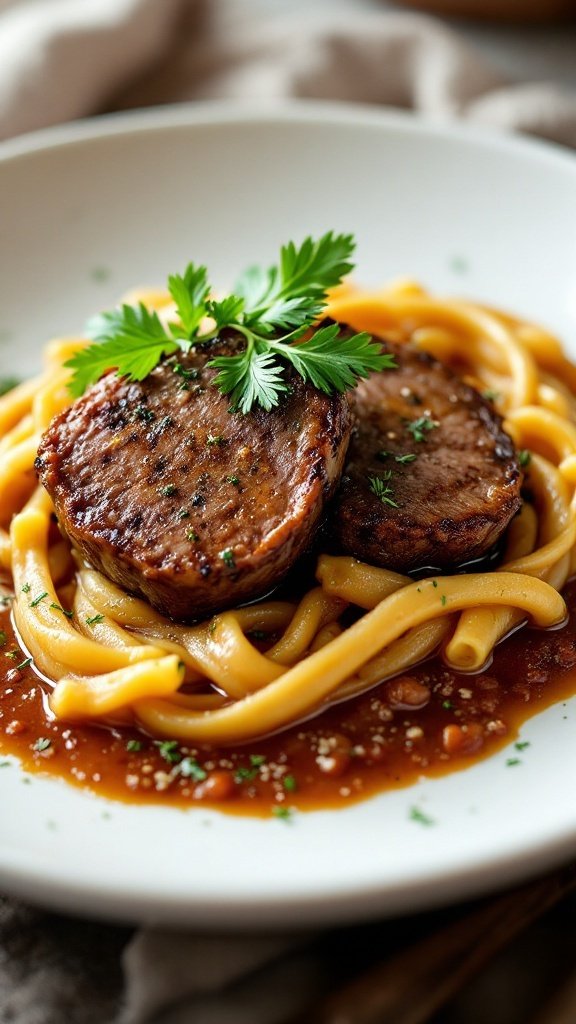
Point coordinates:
[(253, 670)]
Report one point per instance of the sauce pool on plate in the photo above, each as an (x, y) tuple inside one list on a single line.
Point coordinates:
[(427, 722)]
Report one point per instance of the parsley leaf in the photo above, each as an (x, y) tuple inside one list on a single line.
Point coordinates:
[(250, 379), (271, 308), (190, 292), (331, 362), (133, 342)]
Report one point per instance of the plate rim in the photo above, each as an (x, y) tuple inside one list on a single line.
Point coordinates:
[(352, 901)]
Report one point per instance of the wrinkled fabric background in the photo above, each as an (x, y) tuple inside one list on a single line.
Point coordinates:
[(66, 59)]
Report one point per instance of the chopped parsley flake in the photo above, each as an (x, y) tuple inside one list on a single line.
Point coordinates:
[(405, 459), (257, 759), (192, 535), (490, 395), (42, 744), (283, 813), (190, 769), (168, 749), (522, 745), (524, 458), (443, 599), (511, 762), (25, 663), (100, 274), (168, 490), (134, 746), (26, 588), (215, 440), (434, 583), (187, 375), (420, 427), (227, 557), (93, 620), (59, 608), (183, 513), (245, 775), (289, 783), (447, 705), (381, 488), (144, 414), (423, 819), (3, 638), (233, 480)]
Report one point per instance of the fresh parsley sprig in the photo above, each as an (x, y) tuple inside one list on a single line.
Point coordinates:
[(272, 308)]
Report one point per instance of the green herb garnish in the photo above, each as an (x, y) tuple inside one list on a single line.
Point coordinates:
[(227, 557), (42, 744), (25, 663), (190, 769), (524, 458), (283, 813), (405, 459), (272, 308), (59, 608), (168, 490), (380, 486), (420, 427), (168, 749), (423, 819), (93, 620), (134, 746)]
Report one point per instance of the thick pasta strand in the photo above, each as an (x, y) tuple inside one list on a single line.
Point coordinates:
[(300, 689), (479, 630)]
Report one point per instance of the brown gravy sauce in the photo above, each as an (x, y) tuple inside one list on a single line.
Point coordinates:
[(426, 723)]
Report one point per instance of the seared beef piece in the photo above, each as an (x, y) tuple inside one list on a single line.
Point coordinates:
[(451, 502), (176, 498)]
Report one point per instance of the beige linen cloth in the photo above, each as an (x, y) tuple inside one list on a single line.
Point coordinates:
[(65, 59)]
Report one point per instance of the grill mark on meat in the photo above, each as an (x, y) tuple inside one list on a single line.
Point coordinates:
[(454, 499), (160, 450)]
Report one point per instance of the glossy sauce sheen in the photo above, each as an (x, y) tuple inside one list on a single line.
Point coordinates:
[(428, 723)]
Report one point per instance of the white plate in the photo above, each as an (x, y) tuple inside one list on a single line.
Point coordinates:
[(89, 211)]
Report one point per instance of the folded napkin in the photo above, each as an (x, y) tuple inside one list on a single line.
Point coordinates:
[(66, 59)]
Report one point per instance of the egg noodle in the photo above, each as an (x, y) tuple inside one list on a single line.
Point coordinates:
[(112, 657)]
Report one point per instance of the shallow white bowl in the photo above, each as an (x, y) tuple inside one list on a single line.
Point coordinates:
[(89, 211)]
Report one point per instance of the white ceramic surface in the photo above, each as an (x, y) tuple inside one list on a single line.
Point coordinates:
[(87, 212)]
